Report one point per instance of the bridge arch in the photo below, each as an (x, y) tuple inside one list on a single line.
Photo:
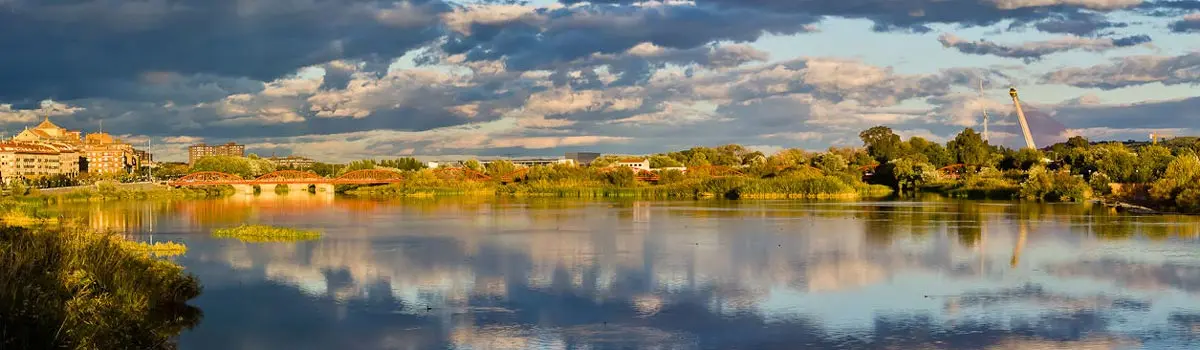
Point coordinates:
[(369, 176), (289, 176), (208, 178)]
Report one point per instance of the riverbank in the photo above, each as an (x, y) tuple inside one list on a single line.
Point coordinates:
[(825, 187), (108, 191), (70, 288)]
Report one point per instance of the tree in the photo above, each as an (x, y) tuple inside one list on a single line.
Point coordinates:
[(1078, 142), (500, 167), (662, 161), (406, 163), (882, 143), (830, 163), (906, 173), (170, 171), (226, 164), (934, 153), (473, 165), (969, 148)]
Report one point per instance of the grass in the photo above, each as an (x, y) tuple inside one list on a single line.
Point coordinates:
[(160, 249), (63, 288), (110, 192), (264, 233)]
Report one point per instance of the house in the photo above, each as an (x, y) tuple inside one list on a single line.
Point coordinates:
[(635, 163)]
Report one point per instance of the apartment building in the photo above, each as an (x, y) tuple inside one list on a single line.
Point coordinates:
[(27, 160), (195, 152), (291, 162)]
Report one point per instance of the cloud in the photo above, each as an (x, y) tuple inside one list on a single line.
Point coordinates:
[(919, 15), (1132, 71), (1189, 23), (1033, 51), (47, 108), (557, 36), (82, 48)]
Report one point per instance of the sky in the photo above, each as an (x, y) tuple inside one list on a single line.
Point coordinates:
[(337, 80)]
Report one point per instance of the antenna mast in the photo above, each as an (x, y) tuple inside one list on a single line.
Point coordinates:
[(1021, 118), (985, 114)]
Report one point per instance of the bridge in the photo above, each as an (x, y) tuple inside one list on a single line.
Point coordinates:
[(295, 180)]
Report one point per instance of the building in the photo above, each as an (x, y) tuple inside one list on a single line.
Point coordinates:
[(528, 162), (28, 160), (108, 155), (48, 132), (144, 158), (635, 163), (195, 152), (582, 158), (291, 162)]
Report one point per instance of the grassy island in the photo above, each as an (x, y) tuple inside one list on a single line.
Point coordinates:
[(264, 233)]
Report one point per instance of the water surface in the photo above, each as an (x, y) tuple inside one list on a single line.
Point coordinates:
[(572, 274)]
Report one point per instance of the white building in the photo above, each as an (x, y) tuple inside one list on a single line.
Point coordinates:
[(635, 163)]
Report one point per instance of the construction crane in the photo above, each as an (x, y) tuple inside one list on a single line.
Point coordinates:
[(1154, 136), (1021, 118)]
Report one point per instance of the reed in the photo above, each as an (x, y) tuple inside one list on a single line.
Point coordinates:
[(83, 290), (264, 233)]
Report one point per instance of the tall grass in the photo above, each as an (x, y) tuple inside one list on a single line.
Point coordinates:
[(109, 192), (264, 233), (82, 290)]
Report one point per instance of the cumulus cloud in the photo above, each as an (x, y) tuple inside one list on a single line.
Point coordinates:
[(9, 115), (1131, 71), (1033, 51)]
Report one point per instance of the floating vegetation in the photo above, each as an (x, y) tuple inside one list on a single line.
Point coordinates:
[(160, 249), (264, 233), (77, 289)]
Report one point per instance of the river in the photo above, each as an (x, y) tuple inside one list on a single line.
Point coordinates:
[(559, 274)]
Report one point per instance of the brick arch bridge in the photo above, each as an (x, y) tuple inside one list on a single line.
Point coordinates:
[(294, 179)]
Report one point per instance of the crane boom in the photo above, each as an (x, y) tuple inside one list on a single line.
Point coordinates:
[(1021, 118)]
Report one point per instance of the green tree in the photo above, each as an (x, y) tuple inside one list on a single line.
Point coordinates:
[(226, 164), (1115, 160), (406, 163), (171, 170), (500, 167), (622, 176), (906, 173), (1152, 163), (473, 165), (326, 169), (934, 153), (663, 161), (830, 163), (969, 148), (1078, 142), (882, 143)]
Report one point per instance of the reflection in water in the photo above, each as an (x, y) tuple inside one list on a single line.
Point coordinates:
[(540, 273)]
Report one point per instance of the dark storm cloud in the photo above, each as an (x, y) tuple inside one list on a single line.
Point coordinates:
[(68, 50), (917, 15), (1034, 51), (1189, 23), (559, 36)]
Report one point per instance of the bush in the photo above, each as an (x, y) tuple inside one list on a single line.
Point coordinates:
[(1054, 186)]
